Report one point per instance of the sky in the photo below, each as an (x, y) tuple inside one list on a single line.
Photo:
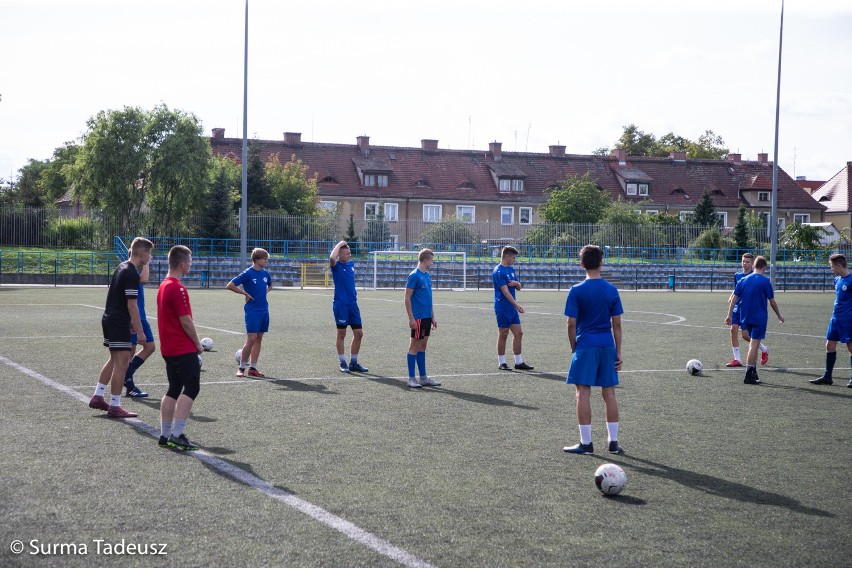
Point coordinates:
[(465, 72)]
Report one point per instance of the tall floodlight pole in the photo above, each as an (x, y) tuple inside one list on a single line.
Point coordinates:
[(773, 223), (244, 202)]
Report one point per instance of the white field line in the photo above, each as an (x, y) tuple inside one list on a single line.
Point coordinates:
[(339, 524)]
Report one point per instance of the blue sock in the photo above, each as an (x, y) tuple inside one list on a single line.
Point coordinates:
[(421, 363), (354, 358), (411, 360), (830, 359), (134, 364)]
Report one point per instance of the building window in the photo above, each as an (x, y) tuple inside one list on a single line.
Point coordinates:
[(382, 181), (371, 210), (391, 212), (505, 185), (525, 215), (652, 211), (686, 216), (631, 188), (801, 217), (643, 189), (394, 242), (466, 213), (373, 180), (517, 185), (507, 215), (369, 180), (723, 218), (763, 196), (328, 205), (431, 213)]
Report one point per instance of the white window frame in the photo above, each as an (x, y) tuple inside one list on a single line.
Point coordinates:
[(631, 188), (529, 211), (685, 216), (763, 196), (517, 185), (511, 211), (805, 218), (643, 189), (505, 184), (369, 180), (462, 216), (382, 180), (394, 242), (724, 217), (328, 205), (651, 211), (435, 208), (375, 207), (391, 212)]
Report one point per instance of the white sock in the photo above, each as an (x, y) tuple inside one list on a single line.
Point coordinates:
[(585, 434), (100, 389), (612, 431), (115, 400), (501, 359), (736, 351), (165, 429), (763, 348), (518, 359), (342, 357)]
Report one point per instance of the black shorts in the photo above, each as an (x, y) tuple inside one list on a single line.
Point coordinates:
[(116, 335), (183, 370), (423, 329)]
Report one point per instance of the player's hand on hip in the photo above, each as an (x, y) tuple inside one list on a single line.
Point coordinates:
[(248, 298)]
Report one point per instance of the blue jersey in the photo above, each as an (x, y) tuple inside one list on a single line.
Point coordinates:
[(256, 283), (343, 275), (140, 303), (593, 302), (754, 291), (737, 277), (421, 299), (501, 276), (843, 301)]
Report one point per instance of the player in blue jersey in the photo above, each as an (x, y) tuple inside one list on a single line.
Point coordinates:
[(593, 309), (345, 307), (840, 324), (507, 310), (747, 262), (752, 294), (148, 347), (256, 283), (421, 318)]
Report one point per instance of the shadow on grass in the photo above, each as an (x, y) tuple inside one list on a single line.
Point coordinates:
[(243, 468), (296, 386), (717, 486), (469, 397), (811, 389)]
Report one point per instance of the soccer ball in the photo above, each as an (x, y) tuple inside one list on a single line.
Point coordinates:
[(207, 344), (610, 479), (694, 367), (238, 356), (200, 361)]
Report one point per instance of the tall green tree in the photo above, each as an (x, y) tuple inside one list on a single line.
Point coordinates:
[(292, 191), (27, 191), (575, 200), (258, 192), (704, 213), (216, 222), (741, 235)]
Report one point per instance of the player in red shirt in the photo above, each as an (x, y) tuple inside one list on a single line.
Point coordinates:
[(180, 348)]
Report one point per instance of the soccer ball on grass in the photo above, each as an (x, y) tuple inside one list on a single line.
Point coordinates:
[(238, 356), (207, 344), (694, 367), (610, 479)]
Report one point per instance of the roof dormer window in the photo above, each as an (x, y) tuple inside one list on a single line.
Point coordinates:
[(508, 184), (375, 180)]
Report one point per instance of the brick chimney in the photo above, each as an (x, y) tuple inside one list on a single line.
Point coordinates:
[(678, 156), (496, 150), (621, 155), (557, 151), (218, 133), (429, 145), (735, 158), (763, 158), (292, 138), (364, 145)]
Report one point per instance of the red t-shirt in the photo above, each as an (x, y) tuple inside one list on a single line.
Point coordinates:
[(173, 302)]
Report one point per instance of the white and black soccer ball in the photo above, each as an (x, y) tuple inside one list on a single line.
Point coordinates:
[(238, 356), (694, 367), (610, 479), (207, 344)]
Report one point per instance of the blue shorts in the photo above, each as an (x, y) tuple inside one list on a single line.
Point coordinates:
[(735, 316), (346, 314), (754, 331), (506, 318), (257, 322), (593, 367), (149, 335), (839, 330)]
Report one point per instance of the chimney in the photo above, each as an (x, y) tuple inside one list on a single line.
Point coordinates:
[(292, 138), (429, 145), (678, 156), (735, 157), (557, 151), (364, 145), (496, 150), (621, 154), (218, 133), (763, 158)]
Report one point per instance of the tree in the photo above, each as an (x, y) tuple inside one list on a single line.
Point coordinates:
[(377, 232), (635, 142), (741, 235), (575, 200), (704, 213), (350, 236), (27, 192), (259, 196), (798, 236), (218, 211), (292, 191), (709, 146), (56, 178), (449, 231)]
